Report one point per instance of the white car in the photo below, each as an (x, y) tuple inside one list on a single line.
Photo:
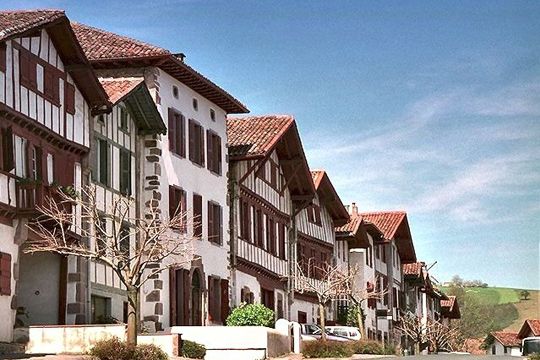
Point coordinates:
[(348, 332)]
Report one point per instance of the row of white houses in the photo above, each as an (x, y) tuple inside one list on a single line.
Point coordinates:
[(83, 106)]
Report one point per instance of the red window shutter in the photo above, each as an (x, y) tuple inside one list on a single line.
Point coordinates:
[(69, 98), (7, 149), (197, 215), (225, 300), (3, 57), (172, 131), (5, 274), (210, 151)]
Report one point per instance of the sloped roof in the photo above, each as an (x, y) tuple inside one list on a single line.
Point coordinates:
[(255, 137), (20, 23), (329, 197), (413, 268), (532, 325), (450, 307), (17, 22), (136, 96), (394, 225), (507, 338), (107, 50)]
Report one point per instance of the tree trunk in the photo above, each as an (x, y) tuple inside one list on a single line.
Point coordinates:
[(323, 321), (417, 348), (361, 325), (133, 311)]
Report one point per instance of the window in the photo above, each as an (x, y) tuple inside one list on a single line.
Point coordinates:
[(125, 172), (3, 57), (214, 222), (101, 119), (383, 253), (177, 205), (271, 235), (177, 133), (69, 98), (377, 252), (5, 274), (21, 169), (212, 115), (314, 214), (50, 168), (196, 142), (195, 104), (28, 69), (123, 119), (197, 216), (175, 91), (282, 231), (258, 228), (245, 219), (214, 298), (213, 152), (102, 162), (267, 298), (51, 84)]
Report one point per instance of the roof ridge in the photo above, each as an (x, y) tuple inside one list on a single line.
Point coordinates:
[(123, 37), (6, 11), (384, 212)]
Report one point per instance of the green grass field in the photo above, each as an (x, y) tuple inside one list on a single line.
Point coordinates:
[(510, 310)]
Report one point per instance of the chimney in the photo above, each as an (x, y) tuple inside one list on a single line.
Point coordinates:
[(354, 209)]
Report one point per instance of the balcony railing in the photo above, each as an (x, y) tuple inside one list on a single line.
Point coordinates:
[(32, 195)]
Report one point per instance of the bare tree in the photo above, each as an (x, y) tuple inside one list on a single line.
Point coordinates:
[(327, 283), (361, 293), (442, 337), (415, 329), (135, 248)]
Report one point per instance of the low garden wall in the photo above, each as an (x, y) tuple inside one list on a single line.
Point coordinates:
[(77, 339), (237, 342)]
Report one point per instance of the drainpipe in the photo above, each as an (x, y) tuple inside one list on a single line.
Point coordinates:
[(233, 228)]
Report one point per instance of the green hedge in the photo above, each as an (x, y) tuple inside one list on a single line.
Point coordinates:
[(251, 315), (327, 349), (114, 349), (193, 350)]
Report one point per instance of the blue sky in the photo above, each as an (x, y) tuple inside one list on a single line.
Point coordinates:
[(432, 107)]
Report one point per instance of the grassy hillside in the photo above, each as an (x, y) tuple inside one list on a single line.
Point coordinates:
[(509, 310)]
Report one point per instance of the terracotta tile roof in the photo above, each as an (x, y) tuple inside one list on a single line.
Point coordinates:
[(100, 44), (253, 136), (530, 325), (117, 88), (387, 221), (13, 22), (413, 268), (507, 338), (449, 303), (352, 225)]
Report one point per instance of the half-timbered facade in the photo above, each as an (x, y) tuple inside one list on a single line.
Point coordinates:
[(122, 164), (192, 168), (316, 245), (48, 94), (269, 184)]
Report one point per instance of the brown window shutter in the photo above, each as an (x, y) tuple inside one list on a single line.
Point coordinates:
[(220, 223), (282, 241), (181, 131), (210, 222), (5, 274), (217, 154), (260, 239), (197, 215), (186, 285), (39, 163), (209, 151), (211, 304), (7, 149), (3, 57), (69, 98), (172, 131), (201, 146), (183, 207), (191, 140), (172, 202), (225, 300)]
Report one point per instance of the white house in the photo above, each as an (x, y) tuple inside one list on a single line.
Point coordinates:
[(192, 171), (504, 343), (48, 94), (270, 182)]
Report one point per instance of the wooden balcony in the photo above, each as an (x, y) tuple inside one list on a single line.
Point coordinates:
[(34, 194)]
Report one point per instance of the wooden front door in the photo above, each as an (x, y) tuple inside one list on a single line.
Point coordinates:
[(179, 296)]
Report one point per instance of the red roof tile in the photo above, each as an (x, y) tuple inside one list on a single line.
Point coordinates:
[(117, 88), (100, 44), (507, 338), (352, 225), (254, 136), (530, 325), (413, 269), (14, 22), (387, 221)]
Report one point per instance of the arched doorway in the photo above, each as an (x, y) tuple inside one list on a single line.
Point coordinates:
[(196, 299)]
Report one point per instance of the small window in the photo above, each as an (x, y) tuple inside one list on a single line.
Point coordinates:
[(102, 162), (50, 168), (101, 119), (125, 172), (195, 104), (175, 92), (212, 115), (69, 98), (214, 222), (3, 57), (123, 119)]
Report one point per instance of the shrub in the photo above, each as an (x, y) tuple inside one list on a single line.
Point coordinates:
[(114, 349), (367, 347), (534, 356), (191, 349), (251, 315), (327, 349), (389, 350)]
